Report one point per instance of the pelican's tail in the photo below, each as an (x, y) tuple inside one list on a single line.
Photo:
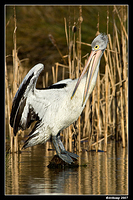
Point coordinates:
[(38, 135)]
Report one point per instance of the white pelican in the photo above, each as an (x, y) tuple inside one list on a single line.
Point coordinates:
[(56, 107)]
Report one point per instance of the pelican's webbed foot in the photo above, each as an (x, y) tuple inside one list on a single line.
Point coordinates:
[(62, 153), (65, 157), (63, 150)]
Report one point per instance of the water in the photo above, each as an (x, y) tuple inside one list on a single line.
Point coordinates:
[(104, 173)]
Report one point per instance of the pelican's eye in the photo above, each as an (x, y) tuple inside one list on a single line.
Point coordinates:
[(96, 47)]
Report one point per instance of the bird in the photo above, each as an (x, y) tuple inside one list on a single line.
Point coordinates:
[(55, 107)]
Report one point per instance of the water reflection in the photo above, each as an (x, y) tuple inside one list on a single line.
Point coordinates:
[(105, 173)]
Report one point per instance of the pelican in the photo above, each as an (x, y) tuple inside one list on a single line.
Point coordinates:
[(56, 107)]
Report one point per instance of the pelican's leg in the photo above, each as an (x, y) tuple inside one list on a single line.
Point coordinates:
[(63, 150), (65, 157)]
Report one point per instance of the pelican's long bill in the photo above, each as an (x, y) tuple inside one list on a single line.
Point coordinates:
[(93, 63)]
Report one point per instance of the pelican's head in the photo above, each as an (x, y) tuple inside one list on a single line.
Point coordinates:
[(98, 45), (100, 42)]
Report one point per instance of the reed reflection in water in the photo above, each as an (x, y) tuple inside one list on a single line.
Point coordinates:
[(104, 173)]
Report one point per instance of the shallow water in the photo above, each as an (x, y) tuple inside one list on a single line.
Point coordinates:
[(104, 173)]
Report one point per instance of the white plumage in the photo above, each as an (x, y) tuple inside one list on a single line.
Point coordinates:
[(56, 107)]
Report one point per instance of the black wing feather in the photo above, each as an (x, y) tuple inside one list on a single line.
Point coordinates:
[(54, 86)]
